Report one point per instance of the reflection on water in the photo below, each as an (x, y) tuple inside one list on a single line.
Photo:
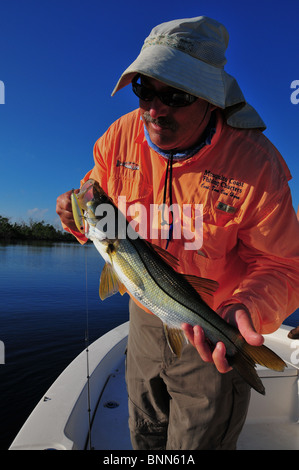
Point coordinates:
[(43, 320)]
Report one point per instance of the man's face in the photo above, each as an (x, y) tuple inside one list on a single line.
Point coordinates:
[(173, 128)]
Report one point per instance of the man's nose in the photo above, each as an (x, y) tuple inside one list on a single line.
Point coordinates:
[(157, 108)]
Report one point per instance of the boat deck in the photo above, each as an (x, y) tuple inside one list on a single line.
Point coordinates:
[(281, 432), (60, 420), (110, 425)]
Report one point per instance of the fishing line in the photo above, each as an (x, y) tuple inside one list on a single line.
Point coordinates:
[(87, 352)]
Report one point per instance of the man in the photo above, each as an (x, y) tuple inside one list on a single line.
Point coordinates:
[(195, 140)]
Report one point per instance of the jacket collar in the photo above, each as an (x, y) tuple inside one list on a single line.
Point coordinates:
[(188, 153)]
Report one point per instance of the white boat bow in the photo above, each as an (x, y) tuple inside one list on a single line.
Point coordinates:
[(61, 418)]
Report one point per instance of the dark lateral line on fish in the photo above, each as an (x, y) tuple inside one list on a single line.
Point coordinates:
[(173, 298), (234, 345)]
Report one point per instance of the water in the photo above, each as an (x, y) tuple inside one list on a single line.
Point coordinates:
[(43, 320)]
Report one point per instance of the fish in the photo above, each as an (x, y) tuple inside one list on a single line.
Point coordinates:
[(151, 275)]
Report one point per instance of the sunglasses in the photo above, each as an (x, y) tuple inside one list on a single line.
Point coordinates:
[(175, 98)]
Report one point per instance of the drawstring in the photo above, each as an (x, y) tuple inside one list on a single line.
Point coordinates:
[(164, 222), (171, 155)]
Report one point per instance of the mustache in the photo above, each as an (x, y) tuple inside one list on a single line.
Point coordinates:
[(162, 121)]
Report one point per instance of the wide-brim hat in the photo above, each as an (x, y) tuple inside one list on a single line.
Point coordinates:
[(189, 54)]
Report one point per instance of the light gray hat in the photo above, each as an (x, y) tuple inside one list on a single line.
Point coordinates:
[(189, 54)]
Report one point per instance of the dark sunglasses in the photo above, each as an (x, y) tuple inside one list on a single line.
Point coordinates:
[(174, 98)]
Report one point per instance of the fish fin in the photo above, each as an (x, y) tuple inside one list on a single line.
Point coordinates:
[(165, 255), (204, 287), (244, 363), (109, 283), (246, 369), (134, 276), (264, 356), (175, 339), (122, 289)]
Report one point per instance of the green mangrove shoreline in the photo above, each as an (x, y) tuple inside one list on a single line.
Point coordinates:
[(31, 231)]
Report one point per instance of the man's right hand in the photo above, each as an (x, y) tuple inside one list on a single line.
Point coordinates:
[(64, 210)]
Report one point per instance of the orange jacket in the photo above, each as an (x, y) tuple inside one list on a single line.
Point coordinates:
[(250, 230)]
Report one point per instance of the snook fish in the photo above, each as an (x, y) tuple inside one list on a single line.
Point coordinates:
[(148, 273)]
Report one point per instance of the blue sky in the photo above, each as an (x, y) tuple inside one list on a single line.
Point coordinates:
[(60, 60)]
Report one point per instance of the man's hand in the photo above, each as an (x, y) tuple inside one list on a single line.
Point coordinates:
[(235, 314), (64, 210)]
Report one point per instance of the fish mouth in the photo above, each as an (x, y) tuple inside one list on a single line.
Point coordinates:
[(85, 203), (91, 195), (90, 191)]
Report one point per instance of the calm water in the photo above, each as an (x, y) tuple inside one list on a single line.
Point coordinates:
[(43, 320)]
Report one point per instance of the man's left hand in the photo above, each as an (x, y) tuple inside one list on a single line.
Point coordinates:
[(234, 314)]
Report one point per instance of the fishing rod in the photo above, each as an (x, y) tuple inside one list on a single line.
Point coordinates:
[(88, 444)]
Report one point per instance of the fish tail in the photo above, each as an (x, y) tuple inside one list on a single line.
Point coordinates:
[(264, 356), (245, 360), (246, 369)]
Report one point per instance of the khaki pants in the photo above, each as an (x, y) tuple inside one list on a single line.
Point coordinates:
[(179, 403)]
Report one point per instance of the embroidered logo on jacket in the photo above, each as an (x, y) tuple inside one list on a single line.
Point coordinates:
[(130, 165), (222, 185)]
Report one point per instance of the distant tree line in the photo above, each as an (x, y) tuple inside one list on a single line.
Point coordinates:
[(31, 231)]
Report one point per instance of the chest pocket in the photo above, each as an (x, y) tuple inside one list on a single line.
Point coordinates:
[(129, 182), (220, 233), (133, 196)]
